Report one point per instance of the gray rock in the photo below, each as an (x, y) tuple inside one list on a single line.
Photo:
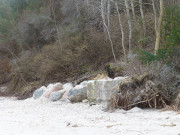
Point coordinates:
[(55, 96), (38, 93), (77, 94), (102, 91), (67, 87), (3, 89), (52, 88), (84, 84)]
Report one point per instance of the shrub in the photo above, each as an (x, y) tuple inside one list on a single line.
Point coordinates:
[(79, 54), (4, 71)]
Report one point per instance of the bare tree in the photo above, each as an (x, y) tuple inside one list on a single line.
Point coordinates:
[(158, 33), (121, 27), (155, 15), (129, 23), (133, 10), (142, 16), (106, 27), (52, 8), (108, 12)]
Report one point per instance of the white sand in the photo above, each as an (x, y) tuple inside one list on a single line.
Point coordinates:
[(41, 117)]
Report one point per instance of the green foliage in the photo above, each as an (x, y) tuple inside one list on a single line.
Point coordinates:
[(147, 57), (171, 30), (170, 41)]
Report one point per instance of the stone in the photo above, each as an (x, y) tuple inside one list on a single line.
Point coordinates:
[(67, 87), (39, 92), (78, 94), (102, 91), (3, 89), (84, 83), (53, 88), (85, 101), (55, 96)]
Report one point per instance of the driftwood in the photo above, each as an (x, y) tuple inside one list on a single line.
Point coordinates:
[(141, 92), (82, 78)]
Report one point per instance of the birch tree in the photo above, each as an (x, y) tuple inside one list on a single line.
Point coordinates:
[(106, 27), (129, 23), (133, 10), (108, 12), (121, 27), (142, 16), (158, 33)]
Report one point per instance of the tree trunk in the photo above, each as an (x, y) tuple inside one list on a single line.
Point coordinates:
[(55, 23), (155, 15), (107, 29), (142, 16), (158, 33), (108, 13), (130, 24), (133, 11), (122, 29)]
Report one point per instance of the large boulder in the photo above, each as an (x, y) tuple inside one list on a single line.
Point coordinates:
[(102, 91), (78, 94), (67, 87), (55, 96), (53, 88), (84, 83), (39, 92)]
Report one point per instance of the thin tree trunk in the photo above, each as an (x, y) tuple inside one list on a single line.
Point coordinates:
[(142, 16), (108, 12), (87, 2), (122, 29), (133, 11), (129, 23), (158, 33), (106, 27), (155, 15)]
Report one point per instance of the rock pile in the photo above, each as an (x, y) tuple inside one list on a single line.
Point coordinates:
[(96, 91), (122, 92)]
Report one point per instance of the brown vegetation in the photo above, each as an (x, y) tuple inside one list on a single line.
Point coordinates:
[(142, 92)]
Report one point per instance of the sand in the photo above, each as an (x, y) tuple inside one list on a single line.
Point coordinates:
[(42, 117)]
